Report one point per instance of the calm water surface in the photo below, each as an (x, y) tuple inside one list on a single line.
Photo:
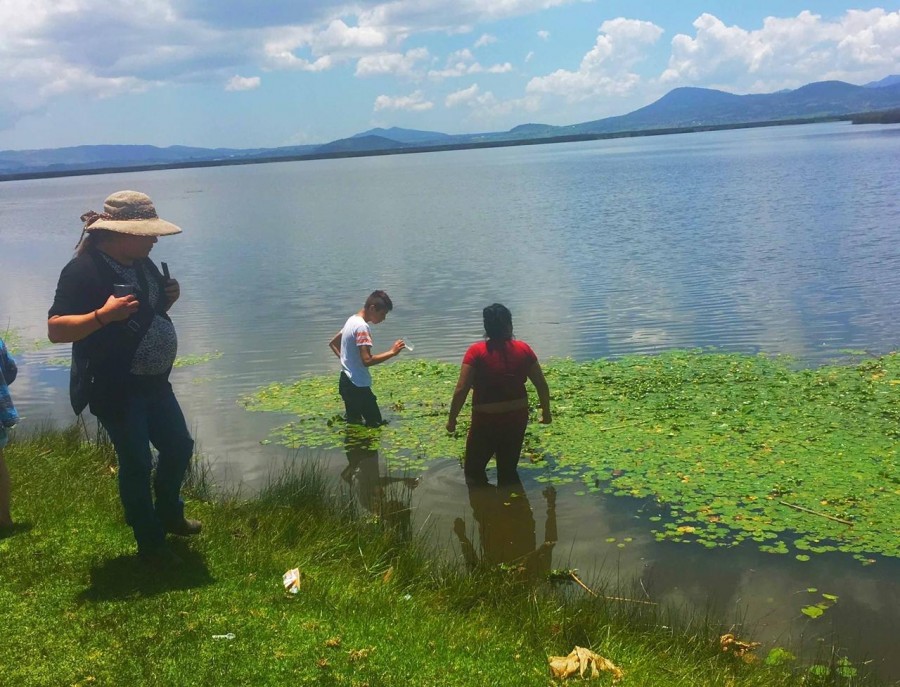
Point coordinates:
[(781, 240)]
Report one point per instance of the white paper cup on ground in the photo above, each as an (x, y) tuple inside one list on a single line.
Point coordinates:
[(291, 580)]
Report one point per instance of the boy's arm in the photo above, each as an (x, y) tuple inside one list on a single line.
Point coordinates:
[(335, 344), (365, 352)]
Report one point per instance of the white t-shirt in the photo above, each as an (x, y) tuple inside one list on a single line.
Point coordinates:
[(355, 333)]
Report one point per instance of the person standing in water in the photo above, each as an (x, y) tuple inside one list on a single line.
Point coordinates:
[(353, 346), (496, 369)]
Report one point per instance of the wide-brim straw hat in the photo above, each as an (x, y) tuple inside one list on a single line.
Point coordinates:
[(129, 212)]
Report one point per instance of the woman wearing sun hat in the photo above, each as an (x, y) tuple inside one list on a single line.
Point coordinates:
[(111, 303)]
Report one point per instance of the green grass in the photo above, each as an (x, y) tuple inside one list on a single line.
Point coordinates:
[(78, 608)]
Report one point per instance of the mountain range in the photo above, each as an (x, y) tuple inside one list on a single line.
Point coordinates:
[(682, 109)]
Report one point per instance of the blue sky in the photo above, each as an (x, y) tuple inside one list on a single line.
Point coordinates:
[(265, 73)]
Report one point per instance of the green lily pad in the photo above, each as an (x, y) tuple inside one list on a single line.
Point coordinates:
[(812, 611), (730, 447)]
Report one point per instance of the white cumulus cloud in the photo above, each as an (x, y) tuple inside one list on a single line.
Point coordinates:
[(341, 37), (786, 51), (461, 96), (485, 107), (486, 39), (543, 35), (242, 83), (399, 64), (463, 63), (414, 102), (451, 16), (313, 49), (288, 60), (606, 69), (97, 50)]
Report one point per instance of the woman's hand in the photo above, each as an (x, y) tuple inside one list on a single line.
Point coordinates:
[(451, 425), (546, 417), (172, 291), (118, 309)]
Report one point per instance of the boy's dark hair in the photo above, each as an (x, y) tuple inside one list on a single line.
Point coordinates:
[(497, 322), (380, 300)]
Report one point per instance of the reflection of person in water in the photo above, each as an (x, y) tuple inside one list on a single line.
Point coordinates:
[(507, 530), (384, 496)]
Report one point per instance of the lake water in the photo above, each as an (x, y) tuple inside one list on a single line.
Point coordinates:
[(783, 240)]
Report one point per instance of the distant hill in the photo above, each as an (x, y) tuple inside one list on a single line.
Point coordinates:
[(101, 156), (406, 135), (532, 129), (359, 144), (886, 81), (688, 107), (284, 151), (106, 154), (680, 109)]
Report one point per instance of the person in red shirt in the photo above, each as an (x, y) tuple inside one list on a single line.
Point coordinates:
[(496, 369)]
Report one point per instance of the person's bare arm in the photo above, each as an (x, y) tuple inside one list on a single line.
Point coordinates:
[(71, 328), (335, 344), (365, 352), (460, 393), (536, 375)]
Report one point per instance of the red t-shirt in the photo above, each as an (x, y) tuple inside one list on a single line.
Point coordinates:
[(500, 371)]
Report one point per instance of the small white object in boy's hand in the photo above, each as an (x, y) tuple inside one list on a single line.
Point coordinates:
[(408, 345)]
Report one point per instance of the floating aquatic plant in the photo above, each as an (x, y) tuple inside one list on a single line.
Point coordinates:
[(728, 447), (17, 345), (818, 609), (199, 359)]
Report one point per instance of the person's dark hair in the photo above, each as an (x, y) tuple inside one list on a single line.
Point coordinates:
[(497, 322), (380, 300), (92, 240)]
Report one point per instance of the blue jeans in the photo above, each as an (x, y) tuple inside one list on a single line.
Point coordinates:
[(151, 418)]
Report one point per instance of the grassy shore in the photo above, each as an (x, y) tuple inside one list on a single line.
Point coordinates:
[(373, 608)]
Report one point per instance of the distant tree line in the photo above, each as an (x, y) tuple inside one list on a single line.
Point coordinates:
[(882, 117)]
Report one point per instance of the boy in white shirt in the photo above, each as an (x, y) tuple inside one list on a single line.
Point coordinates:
[(353, 345)]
